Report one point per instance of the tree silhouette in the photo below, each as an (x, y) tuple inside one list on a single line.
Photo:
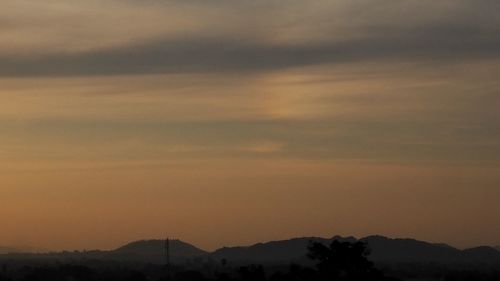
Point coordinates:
[(344, 261)]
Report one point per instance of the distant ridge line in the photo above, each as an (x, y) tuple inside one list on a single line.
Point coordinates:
[(383, 249)]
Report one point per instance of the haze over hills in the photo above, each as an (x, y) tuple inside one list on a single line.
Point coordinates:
[(382, 249), (7, 250)]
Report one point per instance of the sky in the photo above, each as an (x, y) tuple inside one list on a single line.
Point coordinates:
[(233, 122)]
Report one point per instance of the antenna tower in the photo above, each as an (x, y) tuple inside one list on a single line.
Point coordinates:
[(167, 258)]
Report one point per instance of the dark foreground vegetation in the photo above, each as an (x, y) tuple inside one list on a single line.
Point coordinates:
[(343, 261)]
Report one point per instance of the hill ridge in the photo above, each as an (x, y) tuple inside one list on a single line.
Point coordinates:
[(382, 249)]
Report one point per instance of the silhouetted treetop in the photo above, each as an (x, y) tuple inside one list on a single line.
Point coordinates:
[(343, 261)]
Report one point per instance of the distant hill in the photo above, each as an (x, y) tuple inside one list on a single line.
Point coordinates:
[(382, 249), (497, 248), (481, 253), (411, 250), (275, 251), (153, 251), (387, 249), (150, 251)]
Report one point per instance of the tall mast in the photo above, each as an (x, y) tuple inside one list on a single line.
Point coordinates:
[(167, 257)]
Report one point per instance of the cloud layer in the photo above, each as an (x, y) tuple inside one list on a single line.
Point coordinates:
[(128, 37)]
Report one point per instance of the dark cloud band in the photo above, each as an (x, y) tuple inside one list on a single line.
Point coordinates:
[(224, 55)]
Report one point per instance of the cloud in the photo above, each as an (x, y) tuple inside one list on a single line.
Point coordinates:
[(230, 56), (330, 79), (230, 36)]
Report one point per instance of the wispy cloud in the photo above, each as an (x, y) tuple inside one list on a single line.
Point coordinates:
[(128, 37)]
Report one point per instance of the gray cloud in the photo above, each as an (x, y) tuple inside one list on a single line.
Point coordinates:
[(224, 55), (467, 32)]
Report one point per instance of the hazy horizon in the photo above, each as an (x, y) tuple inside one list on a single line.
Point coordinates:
[(241, 121), (34, 249)]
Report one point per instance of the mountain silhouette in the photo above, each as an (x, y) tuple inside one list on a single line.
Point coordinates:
[(411, 250), (275, 251), (481, 253), (387, 249), (382, 249), (154, 251), (148, 251)]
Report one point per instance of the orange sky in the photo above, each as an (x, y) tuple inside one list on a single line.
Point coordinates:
[(227, 202), (228, 123)]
